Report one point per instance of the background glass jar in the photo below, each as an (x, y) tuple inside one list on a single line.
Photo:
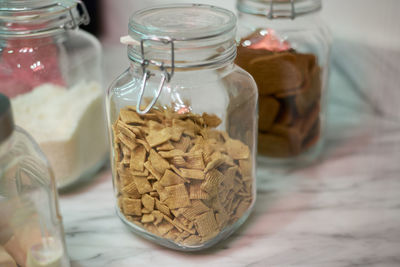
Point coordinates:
[(286, 47), (51, 71), (182, 123), (31, 231)]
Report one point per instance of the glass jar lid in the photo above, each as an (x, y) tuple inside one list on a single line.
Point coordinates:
[(183, 35), (279, 9), (182, 22), (21, 18)]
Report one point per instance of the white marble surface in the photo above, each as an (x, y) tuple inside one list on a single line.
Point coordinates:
[(342, 211)]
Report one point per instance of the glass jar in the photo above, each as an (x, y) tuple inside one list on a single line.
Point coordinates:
[(286, 47), (51, 71), (31, 231), (182, 123)]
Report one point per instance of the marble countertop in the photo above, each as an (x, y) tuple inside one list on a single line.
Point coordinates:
[(344, 210)]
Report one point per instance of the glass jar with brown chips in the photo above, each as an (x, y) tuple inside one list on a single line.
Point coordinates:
[(285, 47), (182, 123)]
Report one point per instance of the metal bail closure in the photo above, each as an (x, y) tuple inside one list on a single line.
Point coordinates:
[(85, 18), (272, 15), (165, 76)]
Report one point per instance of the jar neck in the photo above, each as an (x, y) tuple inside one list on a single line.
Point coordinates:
[(186, 55), (34, 41), (312, 20), (279, 9), (213, 72)]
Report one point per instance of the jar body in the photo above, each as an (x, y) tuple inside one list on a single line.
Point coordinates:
[(184, 172), (31, 229), (54, 83), (289, 60)]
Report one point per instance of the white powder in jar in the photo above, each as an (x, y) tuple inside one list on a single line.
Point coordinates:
[(68, 124)]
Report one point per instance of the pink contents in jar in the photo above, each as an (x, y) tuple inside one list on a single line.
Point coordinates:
[(27, 63)]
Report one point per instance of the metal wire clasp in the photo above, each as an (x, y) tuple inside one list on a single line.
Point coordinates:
[(85, 18), (272, 15), (165, 76)]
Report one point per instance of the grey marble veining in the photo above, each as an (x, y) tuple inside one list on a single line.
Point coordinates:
[(344, 210)]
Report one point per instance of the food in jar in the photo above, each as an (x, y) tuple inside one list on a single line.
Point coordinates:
[(289, 85), (67, 125), (177, 176)]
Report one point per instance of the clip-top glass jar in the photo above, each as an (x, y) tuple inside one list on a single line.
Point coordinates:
[(31, 231), (182, 123), (285, 47), (51, 70)]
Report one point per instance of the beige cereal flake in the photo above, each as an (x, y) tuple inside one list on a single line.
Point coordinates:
[(126, 141), (142, 185), (148, 202), (158, 162), (132, 206), (158, 216), (212, 182), (206, 223), (144, 143), (195, 160), (129, 116), (156, 138), (237, 150), (211, 120), (152, 170), (195, 192), (178, 161), (170, 178), (177, 196), (163, 208), (192, 174), (167, 146), (138, 157), (172, 153), (131, 190), (141, 173), (183, 143), (164, 227)]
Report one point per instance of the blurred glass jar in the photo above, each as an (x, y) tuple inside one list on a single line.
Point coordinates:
[(31, 231), (51, 70), (286, 47), (182, 123)]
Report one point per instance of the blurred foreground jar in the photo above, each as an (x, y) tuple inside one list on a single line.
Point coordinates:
[(31, 231), (51, 71), (285, 47), (182, 123)]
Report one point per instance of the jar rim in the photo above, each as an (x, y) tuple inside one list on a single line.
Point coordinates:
[(279, 9), (196, 22), (48, 16)]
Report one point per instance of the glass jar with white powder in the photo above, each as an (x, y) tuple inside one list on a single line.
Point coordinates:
[(51, 72)]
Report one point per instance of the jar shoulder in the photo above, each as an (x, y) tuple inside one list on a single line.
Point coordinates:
[(132, 78), (306, 26), (22, 146), (83, 39)]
